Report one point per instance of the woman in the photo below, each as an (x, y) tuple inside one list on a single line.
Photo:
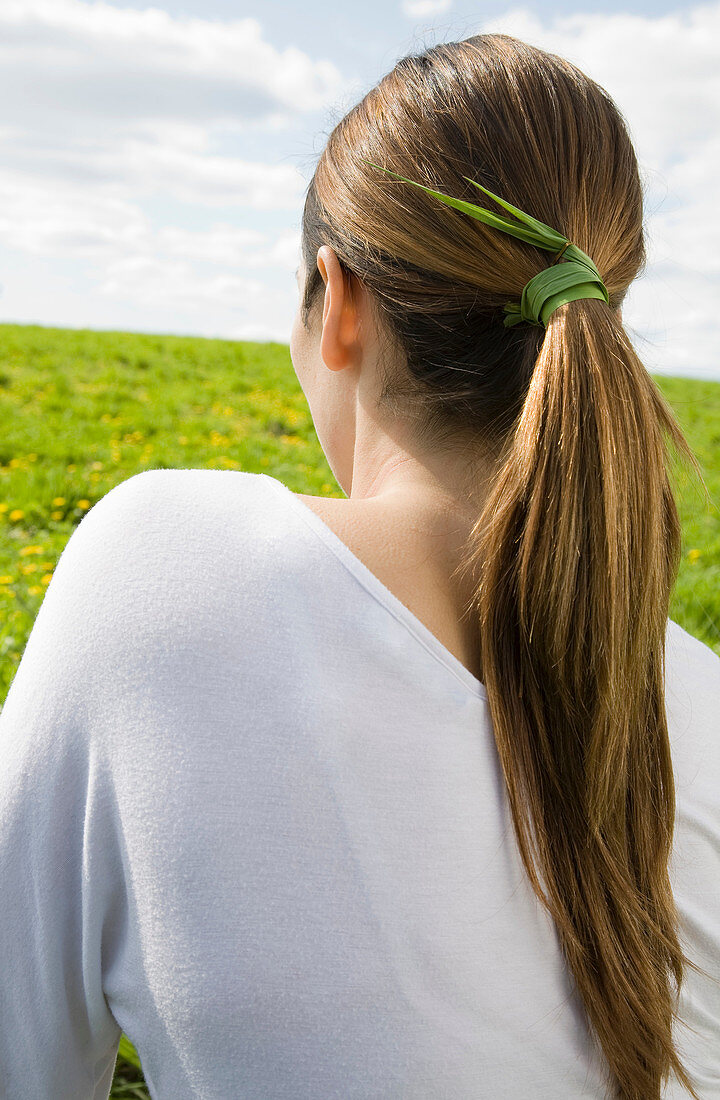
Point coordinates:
[(416, 793)]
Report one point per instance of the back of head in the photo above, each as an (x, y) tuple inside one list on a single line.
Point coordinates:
[(575, 555)]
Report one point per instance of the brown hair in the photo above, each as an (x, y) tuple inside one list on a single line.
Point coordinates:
[(576, 552)]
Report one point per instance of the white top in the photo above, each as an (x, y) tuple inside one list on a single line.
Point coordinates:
[(251, 813)]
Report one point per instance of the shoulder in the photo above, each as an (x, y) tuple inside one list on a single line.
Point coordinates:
[(192, 487), (162, 540), (692, 697), (687, 656), (163, 505)]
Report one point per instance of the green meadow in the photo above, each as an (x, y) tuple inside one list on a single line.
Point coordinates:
[(81, 411)]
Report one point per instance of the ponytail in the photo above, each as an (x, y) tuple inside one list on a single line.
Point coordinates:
[(577, 550)]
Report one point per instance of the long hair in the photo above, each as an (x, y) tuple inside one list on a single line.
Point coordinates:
[(576, 551)]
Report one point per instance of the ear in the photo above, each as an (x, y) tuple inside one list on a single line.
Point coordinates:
[(340, 321)]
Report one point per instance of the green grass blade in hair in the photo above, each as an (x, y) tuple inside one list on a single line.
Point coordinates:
[(549, 238), (532, 231)]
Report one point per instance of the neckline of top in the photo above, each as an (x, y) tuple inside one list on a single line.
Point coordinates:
[(381, 593)]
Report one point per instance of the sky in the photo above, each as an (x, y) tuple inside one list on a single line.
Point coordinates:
[(155, 159)]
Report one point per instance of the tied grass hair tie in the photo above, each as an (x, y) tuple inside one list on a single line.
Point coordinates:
[(572, 274)]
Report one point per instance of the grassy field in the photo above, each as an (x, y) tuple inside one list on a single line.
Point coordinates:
[(81, 411)]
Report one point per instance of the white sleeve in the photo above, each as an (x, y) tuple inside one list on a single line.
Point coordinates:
[(61, 878)]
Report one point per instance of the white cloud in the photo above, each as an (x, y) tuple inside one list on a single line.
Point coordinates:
[(106, 113), (72, 222), (65, 221), (74, 60), (224, 303), (222, 244), (201, 277), (144, 104), (664, 74), (177, 283), (182, 170), (420, 9)]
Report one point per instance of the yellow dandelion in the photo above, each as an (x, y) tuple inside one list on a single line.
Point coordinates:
[(17, 513), (47, 565), (58, 502), (34, 589), (4, 507), (56, 515), (97, 466), (6, 579), (693, 555), (31, 550), (85, 504), (31, 567), (46, 578)]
